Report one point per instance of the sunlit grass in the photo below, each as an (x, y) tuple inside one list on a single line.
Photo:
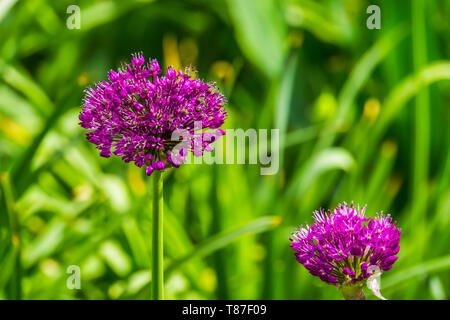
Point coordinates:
[(363, 115)]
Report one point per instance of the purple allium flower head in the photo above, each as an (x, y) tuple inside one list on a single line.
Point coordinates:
[(344, 247), (136, 113)]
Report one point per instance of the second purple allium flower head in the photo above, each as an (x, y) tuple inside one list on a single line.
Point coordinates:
[(344, 247), (135, 114)]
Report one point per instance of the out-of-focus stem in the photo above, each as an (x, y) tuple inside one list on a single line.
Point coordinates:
[(422, 116), (16, 279)]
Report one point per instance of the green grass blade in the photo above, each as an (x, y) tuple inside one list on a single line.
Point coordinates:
[(21, 171), (358, 77), (5, 6), (16, 241), (329, 159), (421, 138), (319, 20), (406, 90), (22, 82), (284, 96), (214, 243), (436, 265), (259, 24)]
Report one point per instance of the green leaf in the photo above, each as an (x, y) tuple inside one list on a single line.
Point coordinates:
[(106, 11), (45, 244), (136, 242), (329, 159), (358, 78), (284, 96), (5, 6), (436, 265), (116, 257), (398, 97), (261, 33), (22, 82), (318, 19), (214, 243)]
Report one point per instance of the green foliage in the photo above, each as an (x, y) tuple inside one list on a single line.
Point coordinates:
[(363, 116)]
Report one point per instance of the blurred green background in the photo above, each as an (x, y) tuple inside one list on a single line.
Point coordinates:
[(363, 116)]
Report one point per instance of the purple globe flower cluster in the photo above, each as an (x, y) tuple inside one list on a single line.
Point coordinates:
[(344, 247), (142, 116)]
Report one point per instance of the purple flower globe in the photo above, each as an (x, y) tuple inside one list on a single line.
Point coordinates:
[(136, 113), (344, 247)]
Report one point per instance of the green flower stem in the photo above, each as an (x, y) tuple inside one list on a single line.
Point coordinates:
[(353, 292), (157, 289)]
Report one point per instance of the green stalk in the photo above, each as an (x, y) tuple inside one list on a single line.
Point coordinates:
[(216, 228), (422, 116), (353, 292), (157, 290), (16, 279)]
